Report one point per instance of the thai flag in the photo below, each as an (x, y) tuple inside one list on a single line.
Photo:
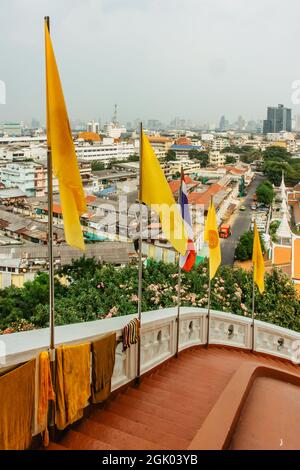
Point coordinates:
[(187, 261)]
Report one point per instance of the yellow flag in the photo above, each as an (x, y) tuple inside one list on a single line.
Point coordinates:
[(211, 237), (155, 192), (258, 262), (64, 158)]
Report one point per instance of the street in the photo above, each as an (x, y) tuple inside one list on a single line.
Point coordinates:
[(240, 225)]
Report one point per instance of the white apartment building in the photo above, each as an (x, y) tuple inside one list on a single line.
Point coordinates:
[(216, 158), (29, 177), (219, 144), (106, 151)]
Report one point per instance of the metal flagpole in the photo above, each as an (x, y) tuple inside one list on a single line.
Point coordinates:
[(178, 308), (179, 281), (208, 308), (140, 285), (253, 308), (50, 256), (209, 297)]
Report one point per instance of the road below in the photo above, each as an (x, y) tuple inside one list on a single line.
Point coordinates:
[(240, 225)]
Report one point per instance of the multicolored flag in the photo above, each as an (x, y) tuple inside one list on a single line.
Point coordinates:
[(258, 262), (187, 261)]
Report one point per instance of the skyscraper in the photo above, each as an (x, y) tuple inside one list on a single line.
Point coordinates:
[(278, 119)]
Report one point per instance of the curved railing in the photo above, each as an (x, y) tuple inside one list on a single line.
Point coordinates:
[(158, 339)]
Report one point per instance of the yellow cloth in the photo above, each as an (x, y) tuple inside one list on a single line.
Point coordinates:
[(258, 262), (72, 383), (103, 354), (155, 192), (65, 166), (17, 390), (46, 393), (211, 237)]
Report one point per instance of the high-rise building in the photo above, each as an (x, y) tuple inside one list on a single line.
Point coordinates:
[(278, 119), (222, 124)]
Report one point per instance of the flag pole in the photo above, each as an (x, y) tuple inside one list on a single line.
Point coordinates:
[(253, 308), (140, 280), (50, 256), (178, 308), (179, 282), (209, 297)]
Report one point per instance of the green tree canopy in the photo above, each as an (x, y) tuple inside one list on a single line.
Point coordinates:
[(265, 193), (244, 249)]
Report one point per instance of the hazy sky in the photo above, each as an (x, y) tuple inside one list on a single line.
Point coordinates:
[(159, 59)]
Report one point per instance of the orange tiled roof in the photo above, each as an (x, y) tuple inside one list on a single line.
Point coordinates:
[(89, 136), (175, 184), (204, 197), (159, 139)]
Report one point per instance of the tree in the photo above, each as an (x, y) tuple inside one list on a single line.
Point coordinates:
[(230, 160), (97, 166), (265, 193), (276, 153), (273, 171), (170, 156), (244, 249), (96, 290), (133, 158)]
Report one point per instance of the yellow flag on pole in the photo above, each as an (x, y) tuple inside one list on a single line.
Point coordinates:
[(155, 192), (211, 237), (64, 160), (258, 262)]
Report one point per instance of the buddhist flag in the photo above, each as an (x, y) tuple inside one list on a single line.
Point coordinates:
[(64, 158), (155, 192), (258, 262), (211, 237)]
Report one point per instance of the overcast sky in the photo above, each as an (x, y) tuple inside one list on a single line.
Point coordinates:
[(157, 59)]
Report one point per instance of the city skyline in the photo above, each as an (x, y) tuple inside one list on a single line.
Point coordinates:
[(198, 61)]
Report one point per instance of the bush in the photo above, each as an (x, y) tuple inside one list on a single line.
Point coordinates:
[(97, 291)]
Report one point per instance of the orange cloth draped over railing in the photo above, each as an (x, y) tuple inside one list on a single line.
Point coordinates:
[(73, 389), (103, 354), (17, 392), (46, 393)]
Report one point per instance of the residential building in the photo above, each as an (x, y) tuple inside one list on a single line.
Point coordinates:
[(28, 177), (216, 158)]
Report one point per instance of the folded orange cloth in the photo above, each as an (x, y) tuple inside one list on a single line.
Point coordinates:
[(17, 392)]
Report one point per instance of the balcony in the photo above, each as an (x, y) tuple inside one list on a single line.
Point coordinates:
[(180, 401)]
